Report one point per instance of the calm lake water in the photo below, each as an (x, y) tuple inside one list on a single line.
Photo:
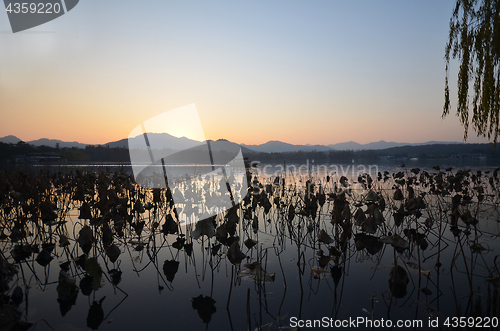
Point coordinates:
[(93, 250)]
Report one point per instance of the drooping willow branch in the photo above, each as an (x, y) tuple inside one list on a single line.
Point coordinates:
[(474, 40)]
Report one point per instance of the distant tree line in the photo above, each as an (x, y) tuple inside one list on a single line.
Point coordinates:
[(10, 152), (91, 153), (435, 151)]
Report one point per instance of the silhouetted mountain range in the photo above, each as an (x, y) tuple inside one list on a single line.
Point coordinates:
[(274, 146), (167, 140), (382, 144), (43, 142), (184, 150), (281, 147)]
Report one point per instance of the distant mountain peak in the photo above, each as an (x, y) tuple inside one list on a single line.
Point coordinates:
[(56, 142), (158, 140), (10, 139)]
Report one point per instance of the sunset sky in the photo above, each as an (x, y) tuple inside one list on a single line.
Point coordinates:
[(304, 72)]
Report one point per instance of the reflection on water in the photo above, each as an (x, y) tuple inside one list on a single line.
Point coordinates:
[(82, 250)]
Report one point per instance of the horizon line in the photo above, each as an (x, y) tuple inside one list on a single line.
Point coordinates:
[(284, 142)]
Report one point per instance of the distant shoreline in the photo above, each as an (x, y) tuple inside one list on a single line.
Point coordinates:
[(28, 154)]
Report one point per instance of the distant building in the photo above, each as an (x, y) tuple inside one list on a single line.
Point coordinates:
[(48, 157), (480, 156)]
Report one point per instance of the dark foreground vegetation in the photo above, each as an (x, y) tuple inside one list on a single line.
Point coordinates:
[(406, 245)]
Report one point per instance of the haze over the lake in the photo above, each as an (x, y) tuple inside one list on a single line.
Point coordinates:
[(304, 72)]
